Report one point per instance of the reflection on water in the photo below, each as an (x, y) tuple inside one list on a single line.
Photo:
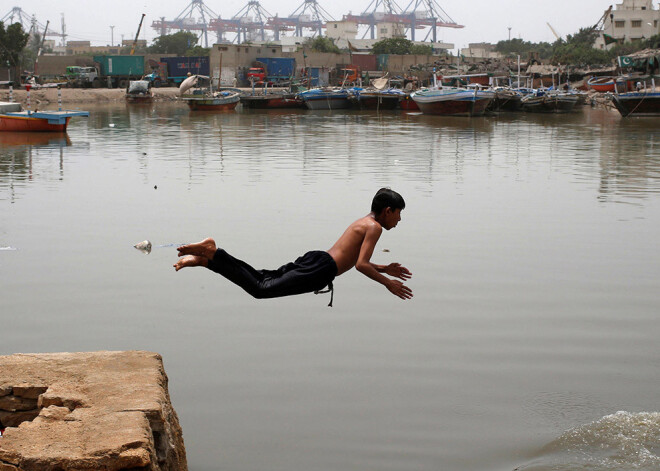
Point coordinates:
[(621, 156), (536, 289)]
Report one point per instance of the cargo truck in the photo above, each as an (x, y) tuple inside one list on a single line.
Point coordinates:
[(117, 71), (174, 70), (273, 70)]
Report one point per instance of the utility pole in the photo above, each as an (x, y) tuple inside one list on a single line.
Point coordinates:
[(509, 27), (112, 35)]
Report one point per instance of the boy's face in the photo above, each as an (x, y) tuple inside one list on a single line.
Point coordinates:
[(392, 218)]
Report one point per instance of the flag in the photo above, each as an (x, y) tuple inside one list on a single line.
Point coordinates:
[(351, 47), (609, 39), (625, 61)]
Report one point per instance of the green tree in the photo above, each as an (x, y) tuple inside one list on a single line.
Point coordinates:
[(578, 49), (421, 49), (322, 44), (392, 46), (198, 51), (12, 42), (177, 43)]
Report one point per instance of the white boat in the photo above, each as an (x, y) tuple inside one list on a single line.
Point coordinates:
[(453, 101)]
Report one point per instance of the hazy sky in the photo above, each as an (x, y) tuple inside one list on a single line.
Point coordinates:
[(484, 20)]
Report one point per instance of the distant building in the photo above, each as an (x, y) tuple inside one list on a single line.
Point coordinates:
[(480, 51), (341, 30), (141, 43), (631, 20), (85, 47)]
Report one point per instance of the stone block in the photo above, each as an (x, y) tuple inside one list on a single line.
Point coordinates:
[(101, 411)]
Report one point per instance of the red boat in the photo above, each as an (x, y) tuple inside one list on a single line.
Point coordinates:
[(272, 100), (602, 84), (408, 104), (41, 121)]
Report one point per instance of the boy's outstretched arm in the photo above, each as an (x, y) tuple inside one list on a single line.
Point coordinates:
[(373, 271)]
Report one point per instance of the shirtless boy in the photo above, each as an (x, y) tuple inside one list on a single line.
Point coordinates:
[(317, 269)]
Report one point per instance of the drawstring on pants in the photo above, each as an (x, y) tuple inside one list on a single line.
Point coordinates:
[(331, 290)]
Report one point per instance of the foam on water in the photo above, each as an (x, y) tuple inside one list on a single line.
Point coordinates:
[(620, 441)]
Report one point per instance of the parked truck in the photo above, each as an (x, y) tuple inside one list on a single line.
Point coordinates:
[(82, 77), (174, 70), (273, 70), (117, 71)]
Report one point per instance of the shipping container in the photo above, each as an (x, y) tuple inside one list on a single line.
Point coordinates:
[(120, 66), (279, 68), (366, 62), (179, 67), (383, 61)]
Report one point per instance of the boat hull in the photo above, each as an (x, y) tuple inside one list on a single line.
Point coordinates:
[(139, 99), (408, 104), (638, 104), (601, 84), (25, 124), (210, 104), (458, 107), (327, 103), (550, 104), (37, 121), (271, 102), (377, 102)]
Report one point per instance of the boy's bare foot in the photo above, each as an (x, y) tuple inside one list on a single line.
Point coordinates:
[(191, 261), (205, 248)]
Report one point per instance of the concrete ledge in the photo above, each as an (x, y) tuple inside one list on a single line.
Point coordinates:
[(107, 411)]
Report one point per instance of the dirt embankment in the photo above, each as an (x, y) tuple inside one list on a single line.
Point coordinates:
[(48, 96)]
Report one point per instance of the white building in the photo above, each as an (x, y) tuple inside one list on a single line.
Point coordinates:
[(631, 20), (480, 51)]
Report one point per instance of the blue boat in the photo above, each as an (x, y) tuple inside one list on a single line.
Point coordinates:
[(327, 98)]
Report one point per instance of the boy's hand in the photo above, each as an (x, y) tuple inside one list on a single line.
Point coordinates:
[(397, 271), (399, 289)]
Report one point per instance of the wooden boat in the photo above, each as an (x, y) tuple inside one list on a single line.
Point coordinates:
[(374, 99), (452, 101), (272, 100), (212, 101), (602, 84), (13, 119), (507, 99), (139, 91), (642, 103), (552, 101), (327, 98), (408, 104)]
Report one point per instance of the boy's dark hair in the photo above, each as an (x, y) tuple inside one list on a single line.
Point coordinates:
[(387, 198)]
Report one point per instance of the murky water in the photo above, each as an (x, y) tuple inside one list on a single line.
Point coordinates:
[(535, 247)]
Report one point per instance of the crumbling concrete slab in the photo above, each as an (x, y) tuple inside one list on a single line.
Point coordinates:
[(105, 411)]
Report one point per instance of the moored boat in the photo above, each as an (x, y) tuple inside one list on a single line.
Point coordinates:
[(213, 101), (549, 101), (13, 119), (507, 99), (642, 103), (272, 100), (327, 98), (602, 84), (139, 91), (407, 103), (374, 99), (452, 101)]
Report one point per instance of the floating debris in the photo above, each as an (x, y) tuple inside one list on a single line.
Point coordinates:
[(8, 248), (144, 247), (386, 250)]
